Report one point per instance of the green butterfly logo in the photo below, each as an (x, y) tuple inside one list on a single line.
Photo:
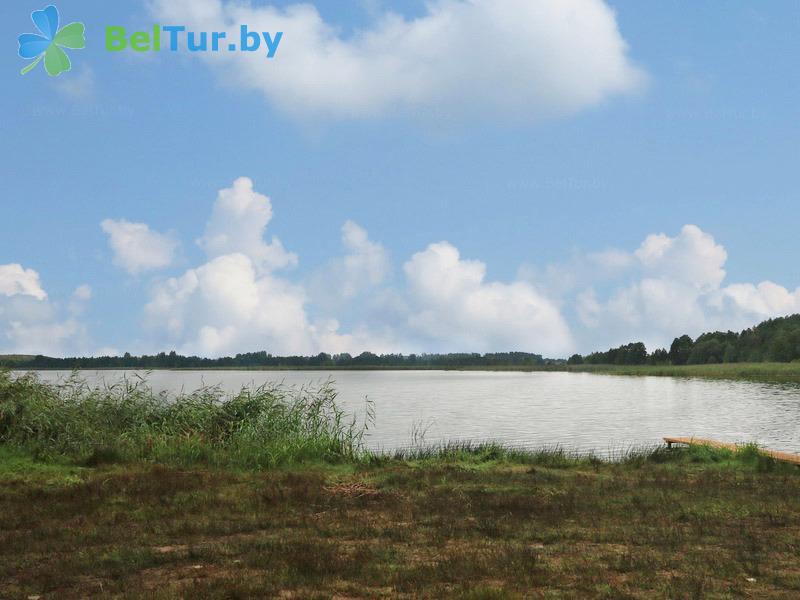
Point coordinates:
[(49, 44)]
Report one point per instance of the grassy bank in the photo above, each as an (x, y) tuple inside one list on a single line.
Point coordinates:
[(269, 493), (764, 372)]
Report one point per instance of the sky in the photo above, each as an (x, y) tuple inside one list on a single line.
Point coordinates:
[(451, 175)]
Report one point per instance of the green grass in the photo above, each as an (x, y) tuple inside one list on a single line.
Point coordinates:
[(18, 465), (764, 372), (463, 523)]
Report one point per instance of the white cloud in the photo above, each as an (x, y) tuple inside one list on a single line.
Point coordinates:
[(678, 288), (225, 307), (51, 338), (523, 59), (29, 322), (14, 280), (137, 248), (83, 292), (692, 257), (364, 266), (237, 225), (236, 303), (329, 338), (455, 309), (762, 301)]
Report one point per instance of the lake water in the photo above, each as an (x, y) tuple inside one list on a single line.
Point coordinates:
[(578, 411)]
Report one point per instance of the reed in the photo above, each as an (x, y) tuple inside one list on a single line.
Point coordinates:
[(257, 427), (767, 372)]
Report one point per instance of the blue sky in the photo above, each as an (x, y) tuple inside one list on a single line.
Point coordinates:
[(534, 188)]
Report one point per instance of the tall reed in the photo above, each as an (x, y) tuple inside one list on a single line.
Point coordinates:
[(257, 427)]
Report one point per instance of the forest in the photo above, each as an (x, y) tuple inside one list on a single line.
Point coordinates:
[(774, 340)]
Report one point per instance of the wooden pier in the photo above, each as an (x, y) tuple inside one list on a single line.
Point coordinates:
[(693, 441)]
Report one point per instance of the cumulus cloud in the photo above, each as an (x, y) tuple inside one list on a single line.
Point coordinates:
[(455, 309), (225, 307), (366, 263), (15, 280), (678, 288), (137, 248), (29, 322), (525, 59), (692, 257), (239, 300), (364, 266), (236, 302), (49, 337), (238, 221), (562, 280)]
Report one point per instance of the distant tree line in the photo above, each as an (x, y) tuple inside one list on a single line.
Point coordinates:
[(172, 360), (775, 340), (629, 354)]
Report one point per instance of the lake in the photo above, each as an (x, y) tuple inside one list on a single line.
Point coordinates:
[(579, 411)]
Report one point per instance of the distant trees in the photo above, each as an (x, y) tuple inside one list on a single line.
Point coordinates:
[(712, 348), (775, 340), (366, 360), (680, 350), (785, 346), (629, 354), (659, 357), (575, 359)]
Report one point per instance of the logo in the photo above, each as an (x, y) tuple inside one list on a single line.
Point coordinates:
[(49, 45), (178, 37)]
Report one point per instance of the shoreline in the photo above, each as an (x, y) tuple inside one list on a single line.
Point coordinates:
[(756, 372)]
